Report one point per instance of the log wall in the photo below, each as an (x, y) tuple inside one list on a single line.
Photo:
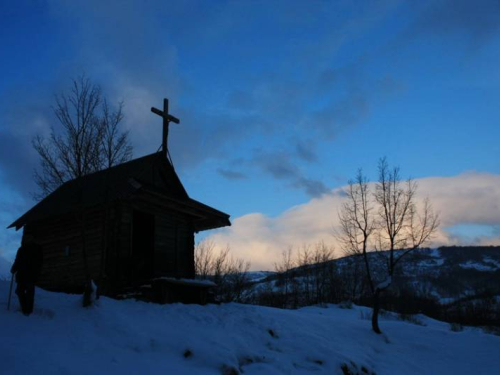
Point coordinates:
[(174, 236), (61, 240), (65, 271)]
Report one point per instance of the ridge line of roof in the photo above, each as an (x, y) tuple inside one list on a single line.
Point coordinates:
[(156, 156), (113, 167)]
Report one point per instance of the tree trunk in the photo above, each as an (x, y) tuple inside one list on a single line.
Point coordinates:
[(376, 309)]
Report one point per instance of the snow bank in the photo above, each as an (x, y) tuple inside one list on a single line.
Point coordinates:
[(139, 338), (479, 266)]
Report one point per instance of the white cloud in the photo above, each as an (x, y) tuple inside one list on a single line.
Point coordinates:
[(469, 198)]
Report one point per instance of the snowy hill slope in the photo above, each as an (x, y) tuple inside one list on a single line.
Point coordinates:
[(451, 275), (140, 338), (447, 274)]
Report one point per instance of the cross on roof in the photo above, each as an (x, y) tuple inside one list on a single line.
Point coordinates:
[(167, 118)]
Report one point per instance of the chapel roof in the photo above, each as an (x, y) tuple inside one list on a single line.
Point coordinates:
[(151, 172)]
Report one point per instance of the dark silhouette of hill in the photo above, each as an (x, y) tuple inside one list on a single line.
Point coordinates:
[(457, 284)]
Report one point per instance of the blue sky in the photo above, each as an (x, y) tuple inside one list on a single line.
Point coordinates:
[(279, 101)]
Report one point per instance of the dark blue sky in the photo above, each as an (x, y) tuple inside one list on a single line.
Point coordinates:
[(280, 101)]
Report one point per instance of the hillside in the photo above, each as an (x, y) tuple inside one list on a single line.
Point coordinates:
[(456, 284), (446, 273), (140, 338)]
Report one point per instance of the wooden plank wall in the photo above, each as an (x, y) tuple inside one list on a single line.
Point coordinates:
[(174, 245), (62, 270), (120, 264), (174, 237)]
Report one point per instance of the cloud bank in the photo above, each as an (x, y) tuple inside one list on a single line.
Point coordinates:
[(468, 198)]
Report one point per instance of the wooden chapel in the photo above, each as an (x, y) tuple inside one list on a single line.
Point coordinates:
[(123, 228)]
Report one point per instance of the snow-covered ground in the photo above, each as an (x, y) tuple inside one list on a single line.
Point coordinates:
[(128, 337), (479, 266)]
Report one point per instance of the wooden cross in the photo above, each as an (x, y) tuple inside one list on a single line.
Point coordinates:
[(166, 120)]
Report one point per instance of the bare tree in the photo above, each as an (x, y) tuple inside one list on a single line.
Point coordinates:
[(115, 147), (313, 270), (356, 220), (284, 269), (230, 274), (305, 276), (304, 262), (357, 224), (203, 255), (386, 220), (322, 268), (87, 140)]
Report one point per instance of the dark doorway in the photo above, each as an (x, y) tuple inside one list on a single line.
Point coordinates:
[(143, 243)]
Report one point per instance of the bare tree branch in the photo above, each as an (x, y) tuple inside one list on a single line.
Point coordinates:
[(89, 138)]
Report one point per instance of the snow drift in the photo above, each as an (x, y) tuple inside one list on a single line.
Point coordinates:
[(133, 337)]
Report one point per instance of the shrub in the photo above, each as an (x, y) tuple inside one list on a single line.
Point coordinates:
[(410, 318), (345, 305), (456, 327)]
